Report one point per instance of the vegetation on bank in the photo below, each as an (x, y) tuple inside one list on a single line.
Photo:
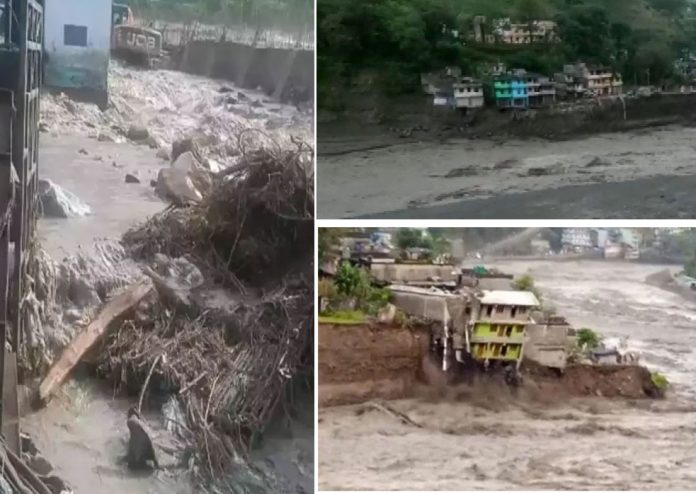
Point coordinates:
[(351, 296), (386, 44)]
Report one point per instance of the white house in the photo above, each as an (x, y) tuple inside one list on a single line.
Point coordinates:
[(77, 47)]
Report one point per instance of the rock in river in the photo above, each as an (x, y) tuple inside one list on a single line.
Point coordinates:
[(57, 202)]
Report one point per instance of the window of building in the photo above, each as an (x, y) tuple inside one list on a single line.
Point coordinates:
[(513, 311), (489, 310), (74, 35), (467, 311), (499, 309), (522, 310)]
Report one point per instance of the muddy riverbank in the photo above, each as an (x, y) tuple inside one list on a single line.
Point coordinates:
[(495, 440), (637, 174)]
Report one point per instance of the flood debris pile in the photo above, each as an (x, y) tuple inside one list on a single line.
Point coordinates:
[(231, 326)]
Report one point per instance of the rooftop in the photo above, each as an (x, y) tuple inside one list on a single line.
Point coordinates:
[(509, 297)]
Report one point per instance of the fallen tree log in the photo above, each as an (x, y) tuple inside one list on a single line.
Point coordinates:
[(114, 309)]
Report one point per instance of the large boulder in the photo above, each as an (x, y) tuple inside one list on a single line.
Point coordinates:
[(57, 202), (137, 133), (175, 185), (200, 177), (192, 144)]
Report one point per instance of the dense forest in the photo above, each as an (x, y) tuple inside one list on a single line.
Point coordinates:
[(395, 40), (261, 13)]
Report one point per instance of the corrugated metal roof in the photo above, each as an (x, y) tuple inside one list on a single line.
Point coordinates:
[(509, 297)]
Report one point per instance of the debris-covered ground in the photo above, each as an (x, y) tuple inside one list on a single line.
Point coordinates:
[(222, 343), (545, 436)]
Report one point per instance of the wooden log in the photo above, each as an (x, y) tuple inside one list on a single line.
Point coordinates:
[(115, 308)]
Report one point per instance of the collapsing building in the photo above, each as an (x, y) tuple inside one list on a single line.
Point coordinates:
[(486, 326), (77, 48)]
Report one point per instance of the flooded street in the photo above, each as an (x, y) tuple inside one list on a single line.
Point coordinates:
[(503, 442), (506, 178), (82, 432)]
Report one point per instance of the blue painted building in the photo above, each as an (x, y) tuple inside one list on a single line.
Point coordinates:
[(510, 91), (77, 48)]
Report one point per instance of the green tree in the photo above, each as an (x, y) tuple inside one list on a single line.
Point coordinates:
[(408, 238)]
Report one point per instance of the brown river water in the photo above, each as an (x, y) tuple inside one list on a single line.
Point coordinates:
[(503, 442), (436, 180)]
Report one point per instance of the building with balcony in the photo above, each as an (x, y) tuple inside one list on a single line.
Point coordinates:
[(510, 92), (541, 91), (497, 323), (527, 33), (597, 81), (468, 93)]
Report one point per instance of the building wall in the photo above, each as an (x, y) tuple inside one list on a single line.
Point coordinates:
[(82, 64), (503, 313)]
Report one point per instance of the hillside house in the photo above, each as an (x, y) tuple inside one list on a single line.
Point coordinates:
[(468, 93), (510, 92), (526, 33), (540, 90), (497, 321), (598, 81), (77, 48)]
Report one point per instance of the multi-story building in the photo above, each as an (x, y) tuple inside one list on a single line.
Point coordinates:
[(527, 33), (496, 321), (468, 93), (540, 90), (599, 81), (576, 239), (510, 92)]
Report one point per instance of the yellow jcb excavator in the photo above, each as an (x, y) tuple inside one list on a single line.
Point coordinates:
[(134, 43)]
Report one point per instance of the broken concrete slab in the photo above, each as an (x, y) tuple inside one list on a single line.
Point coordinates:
[(132, 179), (57, 202)]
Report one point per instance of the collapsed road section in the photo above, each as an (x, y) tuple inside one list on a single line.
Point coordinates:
[(427, 360)]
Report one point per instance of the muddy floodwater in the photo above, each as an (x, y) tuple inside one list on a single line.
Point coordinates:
[(82, 431), (502, 442), (503, 178)]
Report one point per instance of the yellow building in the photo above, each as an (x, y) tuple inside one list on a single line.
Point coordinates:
[(497, 323)]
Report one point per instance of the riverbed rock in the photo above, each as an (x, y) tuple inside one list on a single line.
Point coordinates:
[(39, 464), (58, 202), (163, 154), (181, 146), (132, 179), (188, 163), (137, 132), (175, 185)]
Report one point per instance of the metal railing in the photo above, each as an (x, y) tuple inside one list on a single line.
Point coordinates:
[(21, 63)]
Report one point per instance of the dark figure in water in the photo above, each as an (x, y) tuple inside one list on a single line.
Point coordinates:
[(140, 447)]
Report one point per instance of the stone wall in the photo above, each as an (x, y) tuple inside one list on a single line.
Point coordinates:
[(282, 73)]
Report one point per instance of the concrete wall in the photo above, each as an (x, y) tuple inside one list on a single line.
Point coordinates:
[(278, 72), (79, 70)]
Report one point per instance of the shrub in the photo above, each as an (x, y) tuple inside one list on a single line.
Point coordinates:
[(659, 380), (588, 338), (327, 289)]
